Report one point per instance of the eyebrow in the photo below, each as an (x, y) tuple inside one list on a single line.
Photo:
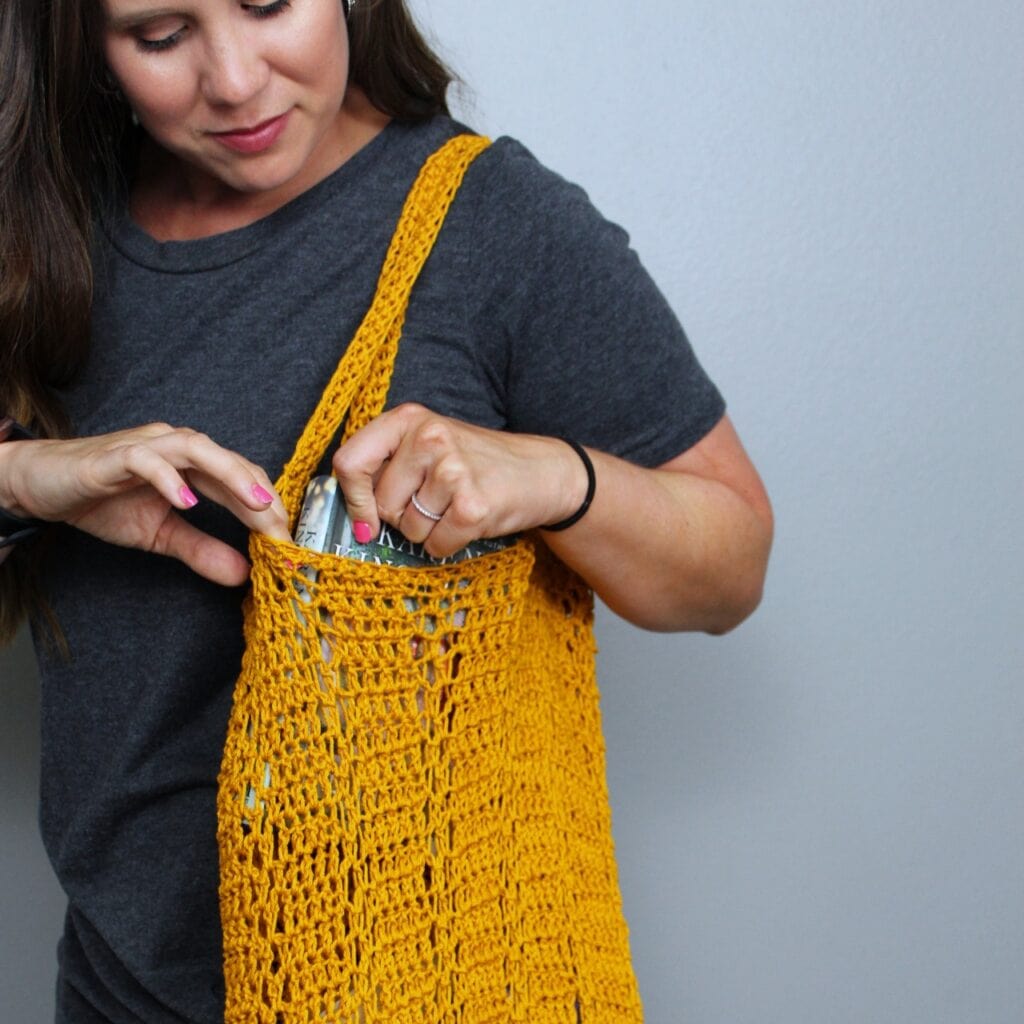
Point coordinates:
[(141, 17)]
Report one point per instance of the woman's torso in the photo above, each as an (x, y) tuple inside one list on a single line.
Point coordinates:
[(525, 317)]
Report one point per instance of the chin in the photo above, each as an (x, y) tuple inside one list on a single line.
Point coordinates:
[(255, 179), (259, 184)]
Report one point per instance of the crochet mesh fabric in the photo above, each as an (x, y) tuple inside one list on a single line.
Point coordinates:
[(413, 817)]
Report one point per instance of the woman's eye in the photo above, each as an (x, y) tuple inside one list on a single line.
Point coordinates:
[(164, 43), (267, 10)]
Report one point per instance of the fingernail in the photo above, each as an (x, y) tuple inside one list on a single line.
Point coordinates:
[(262, 494), (362, 532), (188, 497)]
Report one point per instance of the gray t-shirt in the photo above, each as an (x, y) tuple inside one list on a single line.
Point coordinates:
[(532, 314)]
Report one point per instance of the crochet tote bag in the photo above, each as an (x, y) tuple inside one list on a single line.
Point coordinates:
[(413, 818)]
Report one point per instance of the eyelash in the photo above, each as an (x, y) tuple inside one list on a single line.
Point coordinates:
[(256, 10)]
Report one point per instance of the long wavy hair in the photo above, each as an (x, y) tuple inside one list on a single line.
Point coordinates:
[(66, 143)]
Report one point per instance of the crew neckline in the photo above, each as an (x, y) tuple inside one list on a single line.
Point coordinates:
[(227, 247)]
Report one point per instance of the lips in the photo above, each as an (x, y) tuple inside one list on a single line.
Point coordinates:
[(254, 139)]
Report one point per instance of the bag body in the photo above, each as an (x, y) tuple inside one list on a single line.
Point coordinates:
[(413, 818)]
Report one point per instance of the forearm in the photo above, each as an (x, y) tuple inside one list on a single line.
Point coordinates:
[(669, 550)]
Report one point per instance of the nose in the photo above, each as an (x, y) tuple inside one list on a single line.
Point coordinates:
[(234, 71)]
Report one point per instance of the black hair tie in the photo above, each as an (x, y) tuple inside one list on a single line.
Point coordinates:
[(591, 487)]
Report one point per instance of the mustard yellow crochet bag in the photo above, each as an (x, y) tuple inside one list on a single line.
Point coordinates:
[(412, 812)]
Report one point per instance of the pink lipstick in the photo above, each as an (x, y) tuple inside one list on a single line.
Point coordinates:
[(255, 139)]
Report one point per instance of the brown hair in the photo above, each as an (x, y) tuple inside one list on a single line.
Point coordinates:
[(392, 63), (66, 144)]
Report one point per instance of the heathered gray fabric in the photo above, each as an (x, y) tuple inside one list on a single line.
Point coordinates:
[(532, 314)]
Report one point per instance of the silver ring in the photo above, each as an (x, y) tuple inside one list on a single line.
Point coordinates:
[(425, 511)]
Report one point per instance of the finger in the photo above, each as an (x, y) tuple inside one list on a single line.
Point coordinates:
[(462, 523), (247, 482), (422, 514), (444, 499), (131, 465), (219, 473), (361, 465), (270, 518), (427, 464), (206, 555)]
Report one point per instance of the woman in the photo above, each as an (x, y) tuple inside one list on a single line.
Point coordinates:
[(197, 197)]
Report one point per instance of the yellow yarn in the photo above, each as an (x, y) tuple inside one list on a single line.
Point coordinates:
[(413, 817)]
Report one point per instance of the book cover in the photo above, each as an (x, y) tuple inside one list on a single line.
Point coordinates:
[(324, 526)]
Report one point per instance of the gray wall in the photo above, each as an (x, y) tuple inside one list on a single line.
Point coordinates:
[(818, 816)]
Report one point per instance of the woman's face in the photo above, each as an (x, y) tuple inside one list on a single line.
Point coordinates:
[(246, 95)]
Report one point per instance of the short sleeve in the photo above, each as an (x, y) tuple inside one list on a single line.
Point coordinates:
[(585, 344)]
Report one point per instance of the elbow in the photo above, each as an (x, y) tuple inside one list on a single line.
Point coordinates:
[(723, 592), (739, 606), (718, 610), (742, 596)]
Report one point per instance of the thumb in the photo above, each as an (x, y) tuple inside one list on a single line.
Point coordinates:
[(359, 463), (361, 505), (209, 557)]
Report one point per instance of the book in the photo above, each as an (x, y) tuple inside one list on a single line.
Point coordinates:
[(324, 525)]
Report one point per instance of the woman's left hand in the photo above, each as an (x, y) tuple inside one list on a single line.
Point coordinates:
[(476, 482), (681, 546)]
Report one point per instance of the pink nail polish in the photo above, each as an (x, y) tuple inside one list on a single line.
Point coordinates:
[(262, 494), (188, 497), (362, 532)]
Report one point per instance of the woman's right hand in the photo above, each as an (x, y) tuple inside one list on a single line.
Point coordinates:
[(125, 488)]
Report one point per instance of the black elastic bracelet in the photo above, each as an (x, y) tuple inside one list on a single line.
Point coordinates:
[(14, 529), (591, 487)]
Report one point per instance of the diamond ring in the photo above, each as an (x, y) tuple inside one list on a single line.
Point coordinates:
[(437, 517)]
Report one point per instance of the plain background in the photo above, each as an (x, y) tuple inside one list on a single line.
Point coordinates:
[(818, 817)]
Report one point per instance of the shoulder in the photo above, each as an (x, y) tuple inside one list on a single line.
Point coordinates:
[(511, 182), (528, 222), (508, 195), (509, 169)]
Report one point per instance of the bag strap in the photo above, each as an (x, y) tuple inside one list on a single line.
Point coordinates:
[(360, 383)]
